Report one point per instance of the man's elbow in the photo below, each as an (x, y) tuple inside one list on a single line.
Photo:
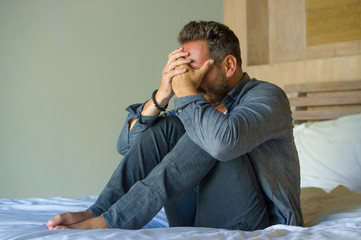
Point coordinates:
[(224, 151), (122, 151), (220, 151)]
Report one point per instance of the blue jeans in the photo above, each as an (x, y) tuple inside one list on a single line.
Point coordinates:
[(164, 168)]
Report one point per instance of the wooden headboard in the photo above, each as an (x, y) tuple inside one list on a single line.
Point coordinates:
[(324, 100)]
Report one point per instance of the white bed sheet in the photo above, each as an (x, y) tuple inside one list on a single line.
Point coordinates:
[(334, 215)]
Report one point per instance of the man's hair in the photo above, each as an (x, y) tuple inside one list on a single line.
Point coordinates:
[(221, 39)]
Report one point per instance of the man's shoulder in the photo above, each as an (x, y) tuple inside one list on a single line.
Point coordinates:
[(261, 85)]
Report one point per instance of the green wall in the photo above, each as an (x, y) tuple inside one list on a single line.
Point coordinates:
[(68, 69)]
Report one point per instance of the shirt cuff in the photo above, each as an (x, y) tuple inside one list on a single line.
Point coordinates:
[(134, 113), (183, 102)]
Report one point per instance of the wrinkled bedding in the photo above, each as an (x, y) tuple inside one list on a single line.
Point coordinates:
[(333, 215)]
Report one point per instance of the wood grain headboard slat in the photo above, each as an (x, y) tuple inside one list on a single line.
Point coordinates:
[(323, 86), (324, 100)]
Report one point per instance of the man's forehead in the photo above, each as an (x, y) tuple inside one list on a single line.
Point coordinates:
[(198, 43), (198, 48)]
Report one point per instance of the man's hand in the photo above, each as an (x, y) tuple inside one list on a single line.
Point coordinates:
[(173, 67), (176, 59), (186, 84)]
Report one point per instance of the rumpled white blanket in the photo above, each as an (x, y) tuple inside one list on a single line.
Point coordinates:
[(334, 215)]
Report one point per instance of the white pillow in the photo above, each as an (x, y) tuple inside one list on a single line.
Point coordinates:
[(330, 153)]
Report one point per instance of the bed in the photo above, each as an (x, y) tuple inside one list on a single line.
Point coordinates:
[(328, 138)]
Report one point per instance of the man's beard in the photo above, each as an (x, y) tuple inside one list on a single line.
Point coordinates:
[(217, 90)]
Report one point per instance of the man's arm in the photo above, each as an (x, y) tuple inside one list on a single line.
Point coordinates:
[(142, 116), (149, 109), (263, 114), (175, 65)]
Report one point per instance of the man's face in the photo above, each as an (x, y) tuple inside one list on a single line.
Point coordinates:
[(214, 85)]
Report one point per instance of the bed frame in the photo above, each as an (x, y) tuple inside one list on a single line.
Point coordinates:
[(324, 100)]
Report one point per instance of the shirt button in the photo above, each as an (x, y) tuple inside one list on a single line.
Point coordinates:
[(179, 111)]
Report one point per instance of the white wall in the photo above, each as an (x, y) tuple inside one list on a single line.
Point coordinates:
[(68, 69)]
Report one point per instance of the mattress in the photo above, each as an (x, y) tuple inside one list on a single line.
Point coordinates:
[(333, 215)]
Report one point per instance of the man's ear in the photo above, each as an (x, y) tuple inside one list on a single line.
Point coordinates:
[(229, 65)]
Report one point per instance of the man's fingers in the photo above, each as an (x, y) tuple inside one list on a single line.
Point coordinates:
[(176, 58), (177, 71), (178, 50), (175, 55), (205, 67), (178, 62)]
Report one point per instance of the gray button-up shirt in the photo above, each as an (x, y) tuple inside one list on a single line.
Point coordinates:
[(257, 124)]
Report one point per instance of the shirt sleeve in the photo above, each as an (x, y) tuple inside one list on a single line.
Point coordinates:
[(263, 113), (126, 138)]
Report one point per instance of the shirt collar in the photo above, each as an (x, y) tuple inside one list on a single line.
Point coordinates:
[(235, 91)]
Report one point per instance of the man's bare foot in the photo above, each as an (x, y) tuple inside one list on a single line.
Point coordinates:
[(69, 218), (92, 223)]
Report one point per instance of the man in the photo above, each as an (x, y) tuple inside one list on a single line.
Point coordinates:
[(224, 157)]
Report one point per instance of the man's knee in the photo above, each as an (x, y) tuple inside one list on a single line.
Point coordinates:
[(169, 123), (168, 128)]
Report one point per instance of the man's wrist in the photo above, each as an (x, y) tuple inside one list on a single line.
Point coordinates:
[(161, 107), (149, 109), (186, 92), (162, 99)]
